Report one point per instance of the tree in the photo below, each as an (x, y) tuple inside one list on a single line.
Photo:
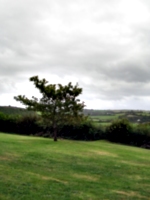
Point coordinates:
[(58, 104)]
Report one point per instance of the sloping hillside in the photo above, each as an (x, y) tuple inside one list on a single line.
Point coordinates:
[(40, 169)]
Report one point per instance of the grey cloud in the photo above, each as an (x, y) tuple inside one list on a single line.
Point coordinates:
[(88, 40), (130, 72)]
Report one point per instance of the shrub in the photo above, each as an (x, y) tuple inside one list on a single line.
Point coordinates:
[(141, 136), (119, 131), (8, 123), (82, 131), (29, 124)]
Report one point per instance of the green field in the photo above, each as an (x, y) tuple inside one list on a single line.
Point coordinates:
[(105, 118), (33, 168)]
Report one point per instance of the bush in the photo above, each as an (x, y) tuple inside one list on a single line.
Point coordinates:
[(119, 131), (29, 125), (141, 135), (8, 123), (83, 131)]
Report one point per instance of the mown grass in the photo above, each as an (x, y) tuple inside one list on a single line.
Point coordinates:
[(40, 169)]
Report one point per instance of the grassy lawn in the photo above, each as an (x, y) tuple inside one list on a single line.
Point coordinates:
[(33, 168)]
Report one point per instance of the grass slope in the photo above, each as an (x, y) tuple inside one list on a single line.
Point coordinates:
[(40, 169)]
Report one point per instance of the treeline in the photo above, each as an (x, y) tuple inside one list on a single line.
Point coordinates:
[(21, 124), (11, 110), (33, 125), (92, 112), (119, 131)]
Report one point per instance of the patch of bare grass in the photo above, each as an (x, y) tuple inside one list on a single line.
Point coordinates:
[(134, 163), (103, 153), (9, 157), (85, 177), (135, 177), (42, 177), (130, 194)]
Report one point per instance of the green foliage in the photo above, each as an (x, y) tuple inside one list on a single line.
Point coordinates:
[(141, 135), (58, 104), (119, 131), (29, 125), (84, 130), (26, 124), (8, 123)]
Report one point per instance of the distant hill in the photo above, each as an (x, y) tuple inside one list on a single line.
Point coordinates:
[(101, 116), (107, 116), (93, 112), (11, 110)]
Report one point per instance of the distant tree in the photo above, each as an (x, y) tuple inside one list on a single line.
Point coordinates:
[(58, 104)]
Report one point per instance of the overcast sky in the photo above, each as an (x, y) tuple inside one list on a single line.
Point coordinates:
[(104, 45)]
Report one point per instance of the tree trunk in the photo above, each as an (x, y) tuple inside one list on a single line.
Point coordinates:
[(55, 134)]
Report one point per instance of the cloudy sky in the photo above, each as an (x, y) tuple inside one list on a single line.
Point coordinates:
[(104, 45)]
